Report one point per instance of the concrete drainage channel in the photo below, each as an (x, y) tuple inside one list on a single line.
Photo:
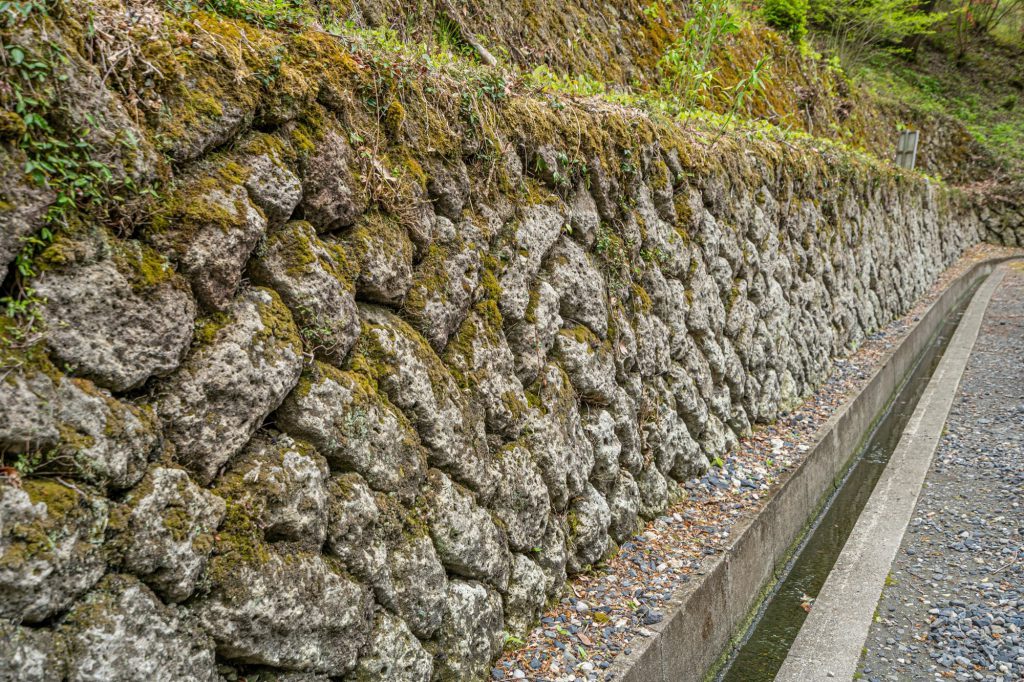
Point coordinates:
[(738, 620), (780, 617), (830, 642)]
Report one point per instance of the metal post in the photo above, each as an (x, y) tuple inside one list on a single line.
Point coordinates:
[(906, 149)]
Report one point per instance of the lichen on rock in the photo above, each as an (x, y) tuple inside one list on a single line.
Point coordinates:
[(417, 382), (580, 285), (420, 584), (382, 254), (297, 612), (115, 310), (209, 226), (27, 420), (104, 441), (555, 436), (393, 654), (50, 548), (271, 183), (23, 204), (470, 633), (314, 280), (520, 502), (567, 307), (480, 359), (588, 363), (330, 194), (468, 541), (534, 233), (166, 531), (121, 631), (355, 428), (443, 285), (588, 519), (31, 654), (282, 484), (237, 374)]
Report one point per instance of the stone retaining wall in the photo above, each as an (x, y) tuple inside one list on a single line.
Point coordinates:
[(356, 413)]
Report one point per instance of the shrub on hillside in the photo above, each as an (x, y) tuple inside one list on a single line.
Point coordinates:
[(859, 29), (788, 16)]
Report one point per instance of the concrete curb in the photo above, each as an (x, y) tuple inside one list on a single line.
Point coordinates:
[(703, 618), (828, 645)]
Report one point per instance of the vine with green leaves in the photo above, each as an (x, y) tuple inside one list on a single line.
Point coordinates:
[(59, 159)]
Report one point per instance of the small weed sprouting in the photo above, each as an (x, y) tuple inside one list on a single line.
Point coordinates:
[(58, 157)]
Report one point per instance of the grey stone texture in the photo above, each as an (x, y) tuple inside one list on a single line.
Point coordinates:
[(166, 529), (28, 402), (70, 426), (271, 184), (297, 612), (210, 229), (470, 634), (115, 309), (282, 484), (121, 632), (382, 254), (445, 281), (313, 280), (420, 585), (106, 441), (355, 428), (393, 654), (331, 197), (51, 547), (241, 371), (23, 205), (468, 542), (416, 381), (31, 654), (525, 598)]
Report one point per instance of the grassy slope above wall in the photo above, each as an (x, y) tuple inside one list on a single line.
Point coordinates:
[(965, 110), (983, 92)]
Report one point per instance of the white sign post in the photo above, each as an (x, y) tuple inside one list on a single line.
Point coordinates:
[(906, 149)]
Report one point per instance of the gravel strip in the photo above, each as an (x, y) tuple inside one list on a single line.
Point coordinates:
[(953, 607), (609, 608)]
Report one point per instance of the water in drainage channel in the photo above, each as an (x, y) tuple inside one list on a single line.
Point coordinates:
[(777, 623)]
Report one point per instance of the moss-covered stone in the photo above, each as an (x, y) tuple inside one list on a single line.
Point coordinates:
[(382, 254), (52, 548)]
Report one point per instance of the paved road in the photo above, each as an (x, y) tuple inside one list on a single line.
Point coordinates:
[(953, 606)]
